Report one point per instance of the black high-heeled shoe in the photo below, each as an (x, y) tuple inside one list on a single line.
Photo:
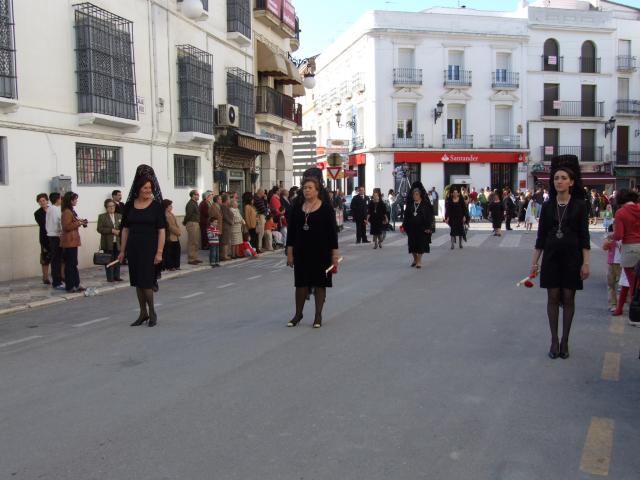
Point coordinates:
[(564, 351), (141, 319), (317, 323), (294, 321), (153, 320)]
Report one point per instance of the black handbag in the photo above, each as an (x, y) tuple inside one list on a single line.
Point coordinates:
[(102, 258)]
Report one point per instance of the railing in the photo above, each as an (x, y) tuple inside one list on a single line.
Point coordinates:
[(358, 143), (558, 66), (589, 65), (628, 106), (584, 154), (238, 18), (625, 63), (628, 158), (504, 78), (275, 103), (459, 78), (465, 141), (561, 108), (505, 141), (407, 76), (416, 141)]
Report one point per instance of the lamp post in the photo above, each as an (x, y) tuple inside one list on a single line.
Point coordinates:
[(437, 112), (351, 123), (609, 127)]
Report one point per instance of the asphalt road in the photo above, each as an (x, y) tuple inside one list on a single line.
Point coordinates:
[(439, 373)]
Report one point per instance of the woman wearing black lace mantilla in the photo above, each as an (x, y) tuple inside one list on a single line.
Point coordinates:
[(564, 244), (143, 239)]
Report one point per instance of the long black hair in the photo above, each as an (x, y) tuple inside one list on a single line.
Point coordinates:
[(67, 199), (570, 165)]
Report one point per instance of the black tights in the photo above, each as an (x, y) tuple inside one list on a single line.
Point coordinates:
[(320, 294), (557, 297), (145, 300)]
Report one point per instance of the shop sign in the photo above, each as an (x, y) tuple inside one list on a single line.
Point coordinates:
[(459, 157), (557, 104), (338, 146), (350, 173), (289, 15)]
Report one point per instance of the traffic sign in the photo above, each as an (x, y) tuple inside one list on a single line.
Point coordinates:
[(333, 172)]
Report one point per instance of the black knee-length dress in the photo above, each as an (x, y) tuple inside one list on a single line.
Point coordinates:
[(142, 243), (417, 220), (457, 213), (377, 214), (312, 246), (562, 257)]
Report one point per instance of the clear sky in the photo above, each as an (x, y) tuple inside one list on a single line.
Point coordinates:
[(322, 21)]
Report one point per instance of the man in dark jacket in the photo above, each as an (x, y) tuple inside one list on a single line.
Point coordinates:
[(359, 206), (509, 208), (191, 221)]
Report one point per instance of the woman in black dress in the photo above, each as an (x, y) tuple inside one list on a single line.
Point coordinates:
[(143, 240), (312, 244), (564, 244), (377, 218), (418, 223), (456, 214), (496, 213)]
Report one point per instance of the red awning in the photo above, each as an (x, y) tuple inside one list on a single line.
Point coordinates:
[(357, 159), (460, 157)]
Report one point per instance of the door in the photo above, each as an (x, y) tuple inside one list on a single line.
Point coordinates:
[(588, 101), (622, 145), (405, 58), (551, 142), (551, 94), (455, 169), (503, 175), (503, 61), (587, 145), (455, 65), (455, 116)]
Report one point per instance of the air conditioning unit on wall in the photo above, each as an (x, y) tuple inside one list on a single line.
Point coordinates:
[(228, 116)]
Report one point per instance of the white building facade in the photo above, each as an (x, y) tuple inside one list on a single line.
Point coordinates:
[(105, 86), (458, 96)]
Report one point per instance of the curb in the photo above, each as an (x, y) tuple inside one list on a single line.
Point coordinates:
[(113, 288)]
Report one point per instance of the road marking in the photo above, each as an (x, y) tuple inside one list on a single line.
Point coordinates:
[(617, 325), (226, 285), (441, 240), (90, 322), (22, 340), (255, 277), (398, 241), (596, 455), (477, 240), (611, 367), (511, 241), (192, 295)]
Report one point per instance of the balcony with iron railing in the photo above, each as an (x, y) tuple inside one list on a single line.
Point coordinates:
[(415, 141), (501, 79), (404, 77), (628, 107), (464, 141), (584, 154), (358, 143), (577, 109), (457, 78), (589, 64), (505, 141), (626, 63), (551, 63), (628, 159), (263, 13), (273, 106)]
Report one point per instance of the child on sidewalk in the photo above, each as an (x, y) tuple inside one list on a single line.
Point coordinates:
[(246, 249), (613, 248), (213, 235)]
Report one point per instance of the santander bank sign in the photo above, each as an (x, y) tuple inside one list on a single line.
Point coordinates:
[(460, 158)]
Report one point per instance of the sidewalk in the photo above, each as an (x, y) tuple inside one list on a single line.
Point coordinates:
[(19, 295)]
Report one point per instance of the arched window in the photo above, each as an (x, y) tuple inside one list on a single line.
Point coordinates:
[(551, 60), (588, 60)]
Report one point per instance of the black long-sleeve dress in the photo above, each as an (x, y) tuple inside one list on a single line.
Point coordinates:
[(496, 210), (457, 213), (142, 243), (312, 247), (377, 214), (562, 257), (416, 221)]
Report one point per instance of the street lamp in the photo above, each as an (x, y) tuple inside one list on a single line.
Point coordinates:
[(351, 123), (192, 9), (309, 81), (609, 126), (437, 112)]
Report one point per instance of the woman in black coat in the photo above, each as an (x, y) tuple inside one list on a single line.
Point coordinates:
[(496, 213), (377, 218), (456, 215), (312, 244), (418, 223)]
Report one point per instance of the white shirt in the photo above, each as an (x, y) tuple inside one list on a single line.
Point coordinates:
[(52, 224)]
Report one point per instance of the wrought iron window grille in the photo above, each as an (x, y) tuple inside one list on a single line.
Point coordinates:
[(105, 63), (240, 92), (8, 77), (195, 85), (239, 17), (97, 164), (185, 171)]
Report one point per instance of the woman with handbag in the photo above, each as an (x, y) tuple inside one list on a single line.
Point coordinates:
[(70, 241), (418, 223), (109, 230)]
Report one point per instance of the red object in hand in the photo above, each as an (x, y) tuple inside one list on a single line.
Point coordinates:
[(401, 229), (527, 281), (334, 270)]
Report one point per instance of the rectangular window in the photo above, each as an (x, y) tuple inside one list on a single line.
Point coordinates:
[(195, 82), (3, 160), (185, 171), (588, 145), (240, 93), (97, 164), (8, 81), (454, 128), (239, 17), (104, 63)]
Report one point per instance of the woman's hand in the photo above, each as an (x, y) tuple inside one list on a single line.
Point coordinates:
[(584, 271), (290, 259), (534, 270), (121, 257), (334, 261), (158, 258)]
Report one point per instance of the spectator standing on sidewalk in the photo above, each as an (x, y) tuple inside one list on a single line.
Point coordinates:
[(260, 202), (143, 240), (203, 210), (70, 241), (236, 230), (250, 217), (171, 258), (109, 226), (54, 230), (213, 237), (359, 210), (41, 219), (192, 222), (116, 196), (227, 228), (285, 202)]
